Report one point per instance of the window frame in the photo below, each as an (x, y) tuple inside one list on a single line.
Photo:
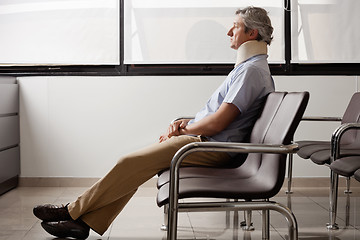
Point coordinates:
[(122, 69)]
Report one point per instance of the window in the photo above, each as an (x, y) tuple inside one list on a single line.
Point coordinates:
[(59, 32), (190, 31), (325, 31), (171, 37)]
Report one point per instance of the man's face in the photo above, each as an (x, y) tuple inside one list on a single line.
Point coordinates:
[(237, 33)]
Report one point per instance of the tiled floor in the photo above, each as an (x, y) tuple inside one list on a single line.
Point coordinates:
[(141, 219)]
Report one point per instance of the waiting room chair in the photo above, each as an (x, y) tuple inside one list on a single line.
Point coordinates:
[(319, 152), (341, 165), (303, 144), (322, 152), (266, 162), (272, 104)]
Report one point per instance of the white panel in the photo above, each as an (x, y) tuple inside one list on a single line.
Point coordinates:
[(325, 31), (190, 31), (89, 122), (62, 32)]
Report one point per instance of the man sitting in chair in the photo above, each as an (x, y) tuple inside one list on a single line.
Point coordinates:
[(228, 116)]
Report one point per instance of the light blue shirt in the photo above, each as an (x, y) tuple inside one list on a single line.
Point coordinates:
[(246, 86)]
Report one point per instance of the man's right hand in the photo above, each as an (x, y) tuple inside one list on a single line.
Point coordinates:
[(174, 129)]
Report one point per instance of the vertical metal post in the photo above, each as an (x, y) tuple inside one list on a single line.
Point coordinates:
[(227, 216), (290, 173), (236, 225), (173, 198), (265, 224), (287, 22), (164, 227), (347, 191), (334, 178)]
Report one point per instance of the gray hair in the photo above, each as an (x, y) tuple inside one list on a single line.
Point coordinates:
[(257, 18)]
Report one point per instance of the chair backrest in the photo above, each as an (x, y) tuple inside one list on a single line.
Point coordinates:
[(259, 131), (277, 124), (352, 115)]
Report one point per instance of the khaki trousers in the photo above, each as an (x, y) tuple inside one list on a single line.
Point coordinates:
[(101, 203)]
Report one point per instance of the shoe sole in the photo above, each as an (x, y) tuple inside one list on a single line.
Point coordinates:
[(73, 233)]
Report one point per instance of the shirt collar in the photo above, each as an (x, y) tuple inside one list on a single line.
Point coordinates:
[(249, 49)]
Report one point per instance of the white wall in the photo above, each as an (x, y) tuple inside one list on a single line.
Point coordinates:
[(79, 126)]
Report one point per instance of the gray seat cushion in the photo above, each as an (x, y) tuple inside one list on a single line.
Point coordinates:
[(346, 166)]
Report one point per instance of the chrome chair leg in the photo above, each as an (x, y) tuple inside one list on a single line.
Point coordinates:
[(291, 157), (334, 178), (164, 226), (289, 202), (347, 213), (236, 225), (265, 224), (227, 216), (348, 190)]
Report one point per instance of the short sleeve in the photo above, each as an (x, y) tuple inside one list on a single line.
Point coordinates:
[(244, 88)]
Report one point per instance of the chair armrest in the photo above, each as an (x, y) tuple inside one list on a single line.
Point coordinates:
[(321, 119), (229, 147), (336, 137)]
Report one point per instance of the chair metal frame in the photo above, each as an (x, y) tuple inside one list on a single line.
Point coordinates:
[(291, 156), (264, 205), (334, 177)]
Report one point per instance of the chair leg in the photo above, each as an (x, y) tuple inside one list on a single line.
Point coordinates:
[(291, 156), (227, 216), (347, 214), (236, 225), (265, 224), (289, 202), (334, 182), (348, 186), (166, 215)]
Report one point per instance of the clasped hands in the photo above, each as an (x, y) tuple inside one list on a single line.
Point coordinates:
[(174, 129)]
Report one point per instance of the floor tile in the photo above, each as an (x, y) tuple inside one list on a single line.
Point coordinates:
[(141, 219)]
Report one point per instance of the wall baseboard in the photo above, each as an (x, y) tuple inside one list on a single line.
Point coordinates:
[(308, 182)]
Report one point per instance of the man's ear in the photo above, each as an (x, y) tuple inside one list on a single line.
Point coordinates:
[(254, 34)]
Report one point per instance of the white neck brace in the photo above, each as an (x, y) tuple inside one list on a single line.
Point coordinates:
[(249, 49)]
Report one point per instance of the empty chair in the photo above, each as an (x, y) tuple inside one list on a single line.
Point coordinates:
[(324, 152), (320, 151), (266, 161), (336, 138)]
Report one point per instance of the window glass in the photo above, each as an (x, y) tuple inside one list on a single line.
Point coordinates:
[(59, 32), (190, 31), (325, 31)]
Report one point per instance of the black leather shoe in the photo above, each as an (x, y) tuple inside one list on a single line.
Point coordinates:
[(71, 228), (52, 213)]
